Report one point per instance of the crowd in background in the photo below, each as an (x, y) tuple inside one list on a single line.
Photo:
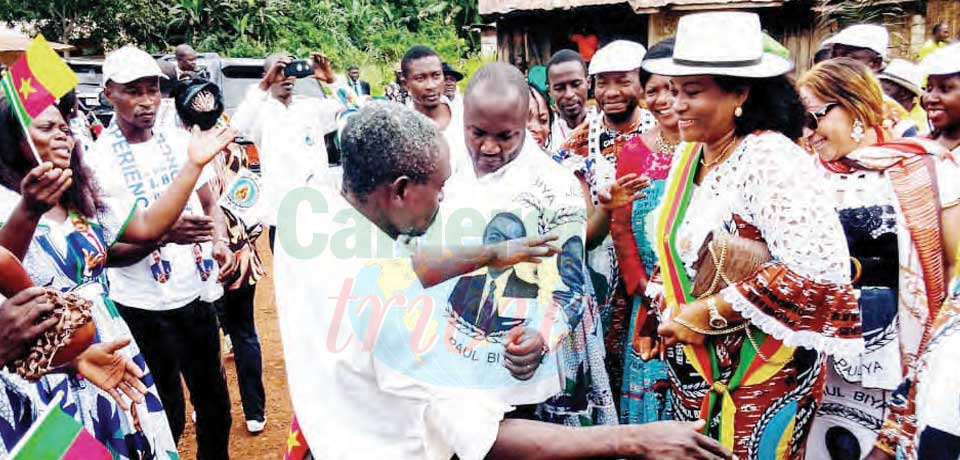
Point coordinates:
[(744, 261)]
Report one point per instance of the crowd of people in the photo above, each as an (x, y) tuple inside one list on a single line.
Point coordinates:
[(715, 256)]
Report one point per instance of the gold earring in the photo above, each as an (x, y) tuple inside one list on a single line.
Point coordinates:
[(738, 112)]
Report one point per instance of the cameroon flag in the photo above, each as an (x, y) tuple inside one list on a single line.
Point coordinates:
[(36, 80), (58, 436)]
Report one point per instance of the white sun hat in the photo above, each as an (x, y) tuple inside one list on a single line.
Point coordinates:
[(617, 56), (869, 36), (944, 61), (905, 74), (129, 63), (720, 43)]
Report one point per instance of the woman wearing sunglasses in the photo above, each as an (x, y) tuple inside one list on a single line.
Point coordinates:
[(895, 198)]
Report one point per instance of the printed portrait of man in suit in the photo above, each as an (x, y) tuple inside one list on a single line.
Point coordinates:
[(476, 300)]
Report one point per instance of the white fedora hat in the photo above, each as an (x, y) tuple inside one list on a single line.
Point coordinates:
[(905, 74), (869, 36), (720, 43)]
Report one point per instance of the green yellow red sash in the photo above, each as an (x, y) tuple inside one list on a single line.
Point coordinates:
[(677, 287)]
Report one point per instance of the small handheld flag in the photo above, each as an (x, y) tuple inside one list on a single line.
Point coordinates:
[(58, 436), (34, 82)]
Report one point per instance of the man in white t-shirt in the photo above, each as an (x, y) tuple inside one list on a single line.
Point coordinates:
[(350, 402), (159, 289), (423, 77), (288, 130)]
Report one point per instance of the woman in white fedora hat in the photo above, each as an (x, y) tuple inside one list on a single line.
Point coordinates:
[(746, 343), (895, 199)]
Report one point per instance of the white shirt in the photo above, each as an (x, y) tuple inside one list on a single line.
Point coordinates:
[(289, 140), (175, 274), (454, 134), (560, 132), (349, 403)]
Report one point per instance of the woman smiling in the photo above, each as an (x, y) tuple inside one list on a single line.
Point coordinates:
[(896, 200), (744, 202)]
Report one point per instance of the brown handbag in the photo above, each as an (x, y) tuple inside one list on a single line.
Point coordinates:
[(725, 259)]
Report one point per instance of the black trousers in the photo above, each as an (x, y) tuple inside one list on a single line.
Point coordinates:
[(235, 312), (186, 341)]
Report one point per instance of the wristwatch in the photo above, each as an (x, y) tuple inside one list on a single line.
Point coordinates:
[(717, 321)]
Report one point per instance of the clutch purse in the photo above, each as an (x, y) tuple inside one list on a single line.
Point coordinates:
[(725, 259)]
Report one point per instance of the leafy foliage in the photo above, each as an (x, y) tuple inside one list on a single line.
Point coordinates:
[(841, 13), (372, 34)]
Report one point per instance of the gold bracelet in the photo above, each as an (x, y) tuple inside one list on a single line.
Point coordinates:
[(701, 331), (857, 270)]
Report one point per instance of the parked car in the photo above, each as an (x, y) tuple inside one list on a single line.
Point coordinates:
[(90, 87), (235, 75)]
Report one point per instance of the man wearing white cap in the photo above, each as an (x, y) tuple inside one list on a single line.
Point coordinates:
[(591, 152), (866, 43), (902, 81), (158, 288)]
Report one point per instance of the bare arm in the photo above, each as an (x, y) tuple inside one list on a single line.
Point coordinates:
[(662, 440), (125, 254), (17, 232), (435, 265), (148, 225), (41, 190)]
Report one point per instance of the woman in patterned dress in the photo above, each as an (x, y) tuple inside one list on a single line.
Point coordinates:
[(645, 388), (54, 220), (749, 358), (896, 200)]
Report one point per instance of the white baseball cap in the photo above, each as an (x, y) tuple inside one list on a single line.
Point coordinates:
[(617, 56), (720, 43), (869, 36), (944, 61), (905, 74), (129, 63)]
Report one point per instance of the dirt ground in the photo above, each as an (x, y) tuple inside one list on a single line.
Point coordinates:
[(270, 444)]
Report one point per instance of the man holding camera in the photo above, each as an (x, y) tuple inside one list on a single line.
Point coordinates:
[(288, 129)]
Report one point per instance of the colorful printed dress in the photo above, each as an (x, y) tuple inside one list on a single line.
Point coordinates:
[(887, 234), (644, 393), (592, 152), (71, 256), (758, 388)]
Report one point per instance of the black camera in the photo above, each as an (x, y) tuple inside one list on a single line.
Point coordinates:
[(298, 69)]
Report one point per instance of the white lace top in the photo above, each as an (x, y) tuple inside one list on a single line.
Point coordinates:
[(771, 184)]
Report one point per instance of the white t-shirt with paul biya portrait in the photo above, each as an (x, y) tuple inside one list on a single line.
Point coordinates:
[(137, 174), (365, 381)]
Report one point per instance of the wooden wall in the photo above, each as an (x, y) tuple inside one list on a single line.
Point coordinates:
[(529, 38)]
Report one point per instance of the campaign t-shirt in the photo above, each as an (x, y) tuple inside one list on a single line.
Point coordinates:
[(137, 174)]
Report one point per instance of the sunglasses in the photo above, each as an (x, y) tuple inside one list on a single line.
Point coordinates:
[(811, 120)]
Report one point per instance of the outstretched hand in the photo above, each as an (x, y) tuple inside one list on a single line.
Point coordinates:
[(531, 250), (43, 186), (670, 440), (205, 145), (624, 191), (672, 332), (112, 372)]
